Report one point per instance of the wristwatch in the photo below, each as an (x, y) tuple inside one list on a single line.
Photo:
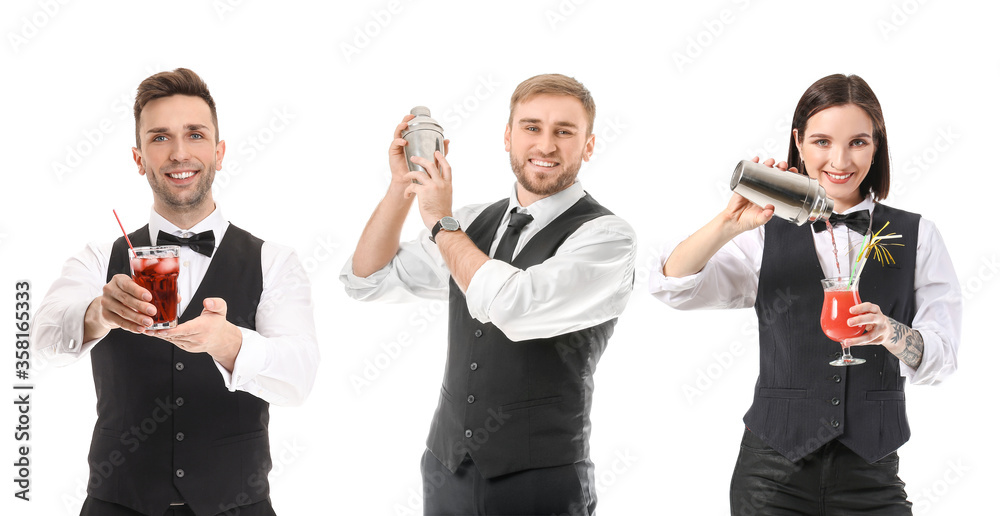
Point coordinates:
[(447, 224)]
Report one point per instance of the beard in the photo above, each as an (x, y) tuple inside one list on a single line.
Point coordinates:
[(545, 185), (191, 197)]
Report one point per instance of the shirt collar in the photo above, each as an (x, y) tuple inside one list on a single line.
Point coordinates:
[(214, 222), (868, 203), (545, 210)]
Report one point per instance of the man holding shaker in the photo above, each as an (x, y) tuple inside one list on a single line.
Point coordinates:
[(246, 336), (535, 284)]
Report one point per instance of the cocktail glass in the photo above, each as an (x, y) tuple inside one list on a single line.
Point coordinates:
[(839, 295), (155, 269)]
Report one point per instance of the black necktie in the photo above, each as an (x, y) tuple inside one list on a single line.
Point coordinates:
[(857, 221), (505, 250), (203, 242)]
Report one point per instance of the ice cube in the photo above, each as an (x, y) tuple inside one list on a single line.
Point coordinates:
[(167, 266)]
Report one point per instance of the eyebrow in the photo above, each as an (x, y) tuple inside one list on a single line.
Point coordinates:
[(828, 137), (189, 127), (525, 121)]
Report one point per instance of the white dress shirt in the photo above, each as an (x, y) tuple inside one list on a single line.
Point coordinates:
[(729, 280), (276, 363), (587, 282)]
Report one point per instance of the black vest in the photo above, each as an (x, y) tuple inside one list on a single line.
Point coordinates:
[(167, 428), (510, 405), (800, 401)]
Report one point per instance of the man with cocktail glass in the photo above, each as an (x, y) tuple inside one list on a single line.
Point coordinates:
[(535, 284), (245, 337)]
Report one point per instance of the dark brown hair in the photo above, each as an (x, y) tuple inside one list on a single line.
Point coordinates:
[(554, 84), (164, 84), (838, 90)]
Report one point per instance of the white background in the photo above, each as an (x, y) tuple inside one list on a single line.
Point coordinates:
[(669, 133)]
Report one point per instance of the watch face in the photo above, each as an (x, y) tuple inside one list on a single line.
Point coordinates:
[(450, 224)]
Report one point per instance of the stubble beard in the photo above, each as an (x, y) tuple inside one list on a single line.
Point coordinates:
[(163, 192), (547, 188)]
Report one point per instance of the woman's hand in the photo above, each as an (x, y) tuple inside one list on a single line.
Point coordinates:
[(899, 339), (742, 215)]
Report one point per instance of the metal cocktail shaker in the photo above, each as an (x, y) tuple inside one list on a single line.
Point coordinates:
[(796, 197), (423, 136)]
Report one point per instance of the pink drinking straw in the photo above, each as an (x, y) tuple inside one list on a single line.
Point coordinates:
[(123, 231)]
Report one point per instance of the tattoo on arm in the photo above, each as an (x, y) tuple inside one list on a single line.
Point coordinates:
[(913, 350)]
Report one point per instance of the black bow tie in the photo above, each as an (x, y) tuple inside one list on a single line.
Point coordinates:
[(203, 242), (857, 221)]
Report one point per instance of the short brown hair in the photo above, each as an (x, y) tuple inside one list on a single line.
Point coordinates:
[(164, 84), (839, 90), (554, 84)]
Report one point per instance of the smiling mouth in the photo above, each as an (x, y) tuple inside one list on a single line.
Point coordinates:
[(181, 175), (543, 163), (839, 177)]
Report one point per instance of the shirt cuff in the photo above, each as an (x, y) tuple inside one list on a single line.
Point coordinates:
[(485, 285), (936, 363), (71, 341), (249, 361)]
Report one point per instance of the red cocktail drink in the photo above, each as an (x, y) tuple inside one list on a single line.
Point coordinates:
[(155, 269), (836, 312), (839, 295)]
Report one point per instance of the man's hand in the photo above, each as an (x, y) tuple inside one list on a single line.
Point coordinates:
[(433, 190), (209, 333), (122, 304)]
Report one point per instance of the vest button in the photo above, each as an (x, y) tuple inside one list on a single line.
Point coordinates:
[(471, 399), (179, 401), (179, 473), (479, 333), (179, 366), (836, 378), (468, 433), (835, 401), (834, 423), (473, 366), (180, 436)]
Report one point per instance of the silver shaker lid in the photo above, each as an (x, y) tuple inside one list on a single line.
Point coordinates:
[(423, 121)]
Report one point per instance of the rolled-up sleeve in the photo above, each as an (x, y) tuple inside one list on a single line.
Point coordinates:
[(587, 282), (729, 279), (938, 317)]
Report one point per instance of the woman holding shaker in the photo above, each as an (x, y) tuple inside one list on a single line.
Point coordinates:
[(822, 439)]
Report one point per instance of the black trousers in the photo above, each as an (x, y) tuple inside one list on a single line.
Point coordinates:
[(94, 507), (557, 491), (831, 481)]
